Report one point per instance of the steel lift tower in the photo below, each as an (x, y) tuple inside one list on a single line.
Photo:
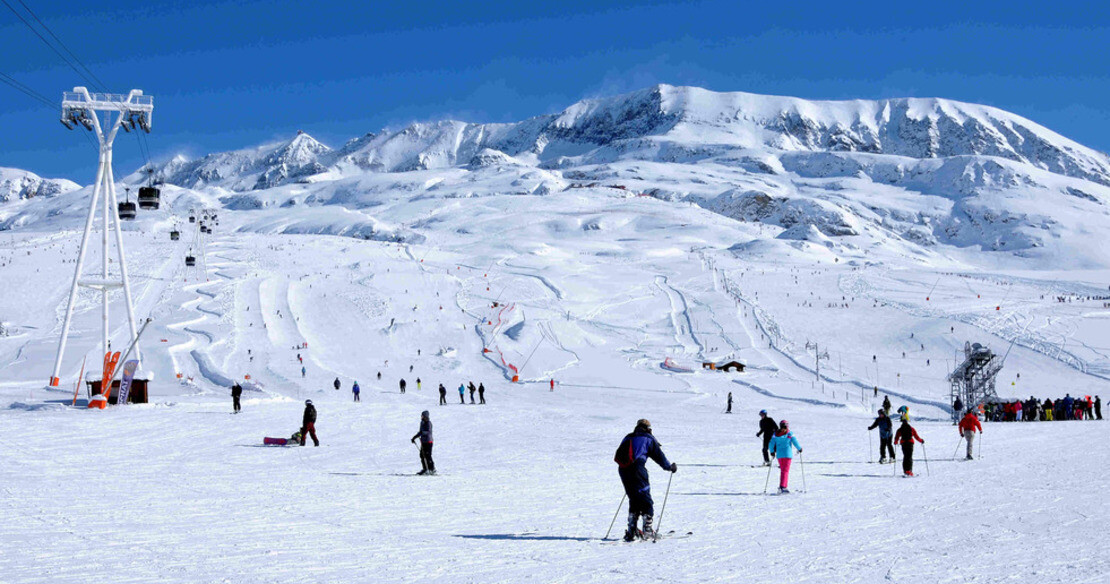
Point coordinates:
[(131, 111)]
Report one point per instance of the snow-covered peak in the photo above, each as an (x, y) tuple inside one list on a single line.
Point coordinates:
[(253, 168), (18, 184)]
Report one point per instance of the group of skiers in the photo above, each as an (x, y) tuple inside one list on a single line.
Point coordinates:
[(1034, 410), (480, 389), (905, 436), (778, 442)]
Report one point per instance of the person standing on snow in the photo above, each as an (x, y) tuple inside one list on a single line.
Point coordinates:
[(1098, 407), (236, 393), (417, 384), (782, 448), (355, 390), (631, 459), (425, 436), (481, 394), (336, 384), (472, 389), (402, 384), (968, 425), (886, 434), (308, 423), (904, 413), (302, 371), (728, 410), (886, 404), (442, 395), (462, 391), (905, 436), (767, 429)]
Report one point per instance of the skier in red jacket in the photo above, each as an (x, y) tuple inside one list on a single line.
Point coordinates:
[(905, 436), (967, 428)]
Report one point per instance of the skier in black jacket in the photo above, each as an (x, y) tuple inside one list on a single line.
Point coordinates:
[(425, 436), (336, 384), (767, 429), (481, 393), (886, 437), (631, 459), (236, 393), (402, 384), (442, 395), (308, 423), (472, 389)]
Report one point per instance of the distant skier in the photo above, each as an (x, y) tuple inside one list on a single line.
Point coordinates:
[(782, 448), (767, 429), (402, 384), (728, 410), (904, 413), (968, 426), (425, 436), (236, 393), (957, 407), (379, 376), (308, 423), (302, 372), (417, 384), (336, 384), (1098, 408), (886, 435), (886, 404), (481, 393), (905, 436), (552, 382), (631, 459), (299, 359), (472, 389), (356, 390), (442, 395), (462, 390)]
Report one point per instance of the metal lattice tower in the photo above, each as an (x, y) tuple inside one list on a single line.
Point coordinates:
[(81, 108), (973, 380)]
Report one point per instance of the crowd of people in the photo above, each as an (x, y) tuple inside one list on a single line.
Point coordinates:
[(1036, 410)]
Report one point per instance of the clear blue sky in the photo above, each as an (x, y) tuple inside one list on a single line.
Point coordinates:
[(228, 75)]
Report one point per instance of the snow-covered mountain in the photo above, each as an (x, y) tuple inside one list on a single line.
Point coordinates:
[(911, 174), (20, 184)]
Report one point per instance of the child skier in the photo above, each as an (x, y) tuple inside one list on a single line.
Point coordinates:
[(631, 459), (905, 436), (782, 448)]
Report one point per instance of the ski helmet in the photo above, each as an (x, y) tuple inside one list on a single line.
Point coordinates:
[(307, 402), (424, 414), (784, 424), (763, 412)]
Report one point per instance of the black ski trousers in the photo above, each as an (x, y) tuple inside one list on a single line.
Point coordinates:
[(426, 461), (907, 456), (235, 403), (886, 448), (766, 445)]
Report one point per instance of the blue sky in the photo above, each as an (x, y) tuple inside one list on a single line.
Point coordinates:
[(228, 75)]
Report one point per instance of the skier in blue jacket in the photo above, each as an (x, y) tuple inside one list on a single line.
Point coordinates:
[(782, 448), (631, 458)]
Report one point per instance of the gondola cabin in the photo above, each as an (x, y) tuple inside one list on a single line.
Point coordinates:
[(127, 211), (149, 197), (175, 235), (190, 261)]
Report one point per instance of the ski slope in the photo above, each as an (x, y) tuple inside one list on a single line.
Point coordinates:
[(180, 490)]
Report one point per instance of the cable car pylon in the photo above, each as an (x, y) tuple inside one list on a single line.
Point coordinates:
[(81, 108)]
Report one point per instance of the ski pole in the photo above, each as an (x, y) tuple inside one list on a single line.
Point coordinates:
[(980, 445), (768, 481), (870, 458), (925, 454), (957, 449), (663, 508), (802, 464), (614, 522)]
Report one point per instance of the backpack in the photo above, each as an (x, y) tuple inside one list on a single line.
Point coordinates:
[(624, 457)]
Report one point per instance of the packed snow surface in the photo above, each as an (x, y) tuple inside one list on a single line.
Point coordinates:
[(590, 246)]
